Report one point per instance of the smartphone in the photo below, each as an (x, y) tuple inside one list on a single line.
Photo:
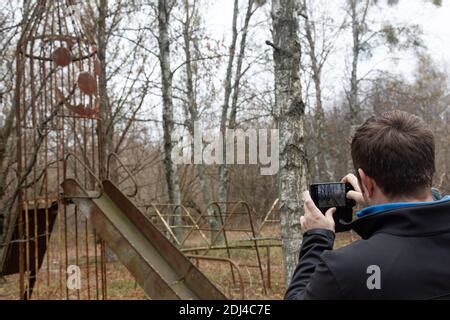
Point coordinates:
[(334, 195)]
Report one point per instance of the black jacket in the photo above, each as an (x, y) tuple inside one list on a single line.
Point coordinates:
[(410, 246)]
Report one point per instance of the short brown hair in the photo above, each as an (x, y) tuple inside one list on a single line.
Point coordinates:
[(397, 150)]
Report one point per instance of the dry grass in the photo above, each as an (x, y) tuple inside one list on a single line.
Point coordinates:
[(122, 286)]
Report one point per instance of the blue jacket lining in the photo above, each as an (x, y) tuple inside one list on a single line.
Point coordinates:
[(389, 206)]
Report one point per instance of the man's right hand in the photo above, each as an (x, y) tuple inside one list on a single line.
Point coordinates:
[(356, 194)]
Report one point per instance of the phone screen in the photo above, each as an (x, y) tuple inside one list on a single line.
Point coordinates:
[(331, 195)]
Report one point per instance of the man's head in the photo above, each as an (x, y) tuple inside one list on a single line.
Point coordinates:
[(394, 156)]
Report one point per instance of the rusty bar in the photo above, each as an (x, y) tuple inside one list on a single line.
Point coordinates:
[(17, 100), (223, 230), (103, 268), (267, 216), (256, 246), (166, 225), (192, 226), (35, 182), (269, 273), (44, 101), (122, 165), (27, 251), (36, 253), (84, 193), (97, 291), (88, 279), (226, 260)]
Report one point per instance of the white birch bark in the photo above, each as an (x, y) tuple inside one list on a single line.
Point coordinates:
[(194, 113), (164, 8), (292, 175)]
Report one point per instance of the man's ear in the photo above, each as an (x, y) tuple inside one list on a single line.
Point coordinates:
[(367, 185)]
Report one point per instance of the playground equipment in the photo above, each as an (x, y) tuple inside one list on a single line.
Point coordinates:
[(177, 223), (57, 107), (68, 212), (235, 232), (60, 233), (40, 218), (269, 217), (157, 265)]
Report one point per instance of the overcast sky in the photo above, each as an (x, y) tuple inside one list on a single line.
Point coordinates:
[(434, 21)]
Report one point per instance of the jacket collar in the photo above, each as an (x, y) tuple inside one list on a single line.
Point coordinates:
[(394, 205), (405, 219)]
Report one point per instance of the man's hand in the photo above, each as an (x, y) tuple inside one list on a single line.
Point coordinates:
[(314, 218), (356, 194)]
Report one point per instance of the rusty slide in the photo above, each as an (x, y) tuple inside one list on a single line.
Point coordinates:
[(158, 266)]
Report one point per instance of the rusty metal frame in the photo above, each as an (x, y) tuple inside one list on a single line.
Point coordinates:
[(225, 219), (266, 246), (167, 227), (222, 231), (228, 261), (267, 219), (122, 165), (49, 133), (158, 266), (44, 89), (252, 229), (85, 194), (170, 229)]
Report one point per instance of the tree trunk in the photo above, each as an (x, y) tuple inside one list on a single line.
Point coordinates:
[(106, 143), (319, 118), (353, 99), (358, 20), (292, 175), (168, 122), (232, 90), (240, 61), (105, 106), (223, 170), (214, 220)]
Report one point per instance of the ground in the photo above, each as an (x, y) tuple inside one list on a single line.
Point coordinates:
[(122, 286)]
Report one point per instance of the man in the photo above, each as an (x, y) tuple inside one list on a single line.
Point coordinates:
[(405, 248)]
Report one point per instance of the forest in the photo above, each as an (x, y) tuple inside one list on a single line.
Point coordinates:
[(177, 83)]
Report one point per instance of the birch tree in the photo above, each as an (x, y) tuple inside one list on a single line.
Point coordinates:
[(365, 39), (318, 49), (191, 15), (291, 109), (105, 107), (358, 14), (164, 10), (223, 172), (232, 84)]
